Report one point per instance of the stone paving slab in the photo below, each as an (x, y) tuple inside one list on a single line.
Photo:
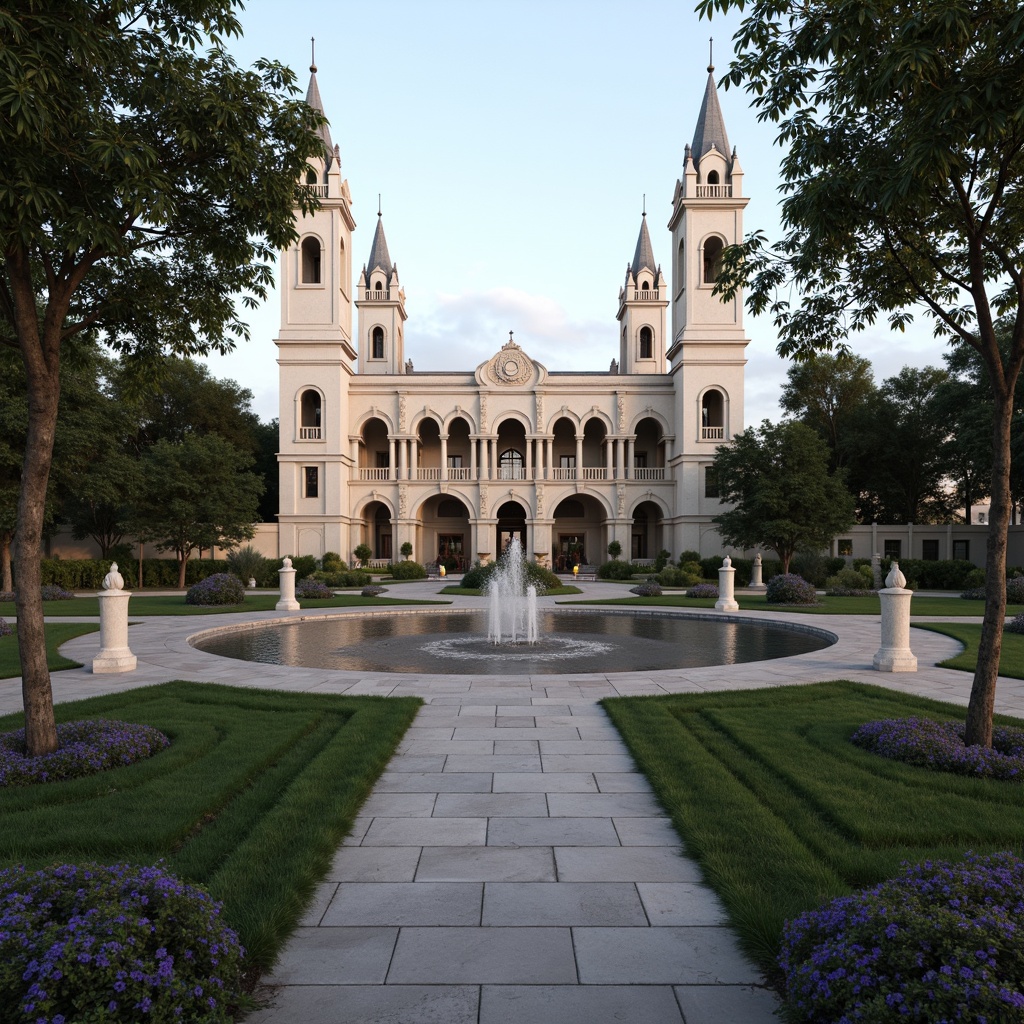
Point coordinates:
[(625, 864), (563, 903), (373, 864), (681, 903), (384, 904), (580, 1004), (492, 805), (487, 956), (381, 1004), (426, 832), (343, 956), (727, 1004), (485, 864), (546, 782), (578, 832)]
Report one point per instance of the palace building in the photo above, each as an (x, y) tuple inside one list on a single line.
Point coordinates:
[(456, 463)]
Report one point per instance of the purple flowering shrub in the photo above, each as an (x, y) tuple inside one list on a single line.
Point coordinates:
[(310, 588), (1015, 590), (86, 747), (5, 629), (112, 943), (941, 942), (788, 588), (704, 590), (51, 592), (220, 588), (1015, 625), (372, 591), (649, 588), (940, 745)]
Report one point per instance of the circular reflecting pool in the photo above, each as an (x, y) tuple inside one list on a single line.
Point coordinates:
[(456, 642)]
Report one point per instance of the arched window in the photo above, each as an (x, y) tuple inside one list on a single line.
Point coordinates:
[(646, 343), (310, 260), (310, 416), (379, 287), (712, 416), (377, 343), (510, 465), (713, 177), (644, 286), (712, 259), (311, 177)]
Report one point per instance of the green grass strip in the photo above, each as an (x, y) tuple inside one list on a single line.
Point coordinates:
[(57, 633), (952, 607), (1011, 656), (784, 813), (252, 798), (174, 604)]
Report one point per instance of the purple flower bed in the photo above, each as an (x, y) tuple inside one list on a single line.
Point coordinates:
[(220, 588), (703, 590), (788, 588), (85, 748), (372, 591), (310, 588), (51, 592), (1015, 625), (112, 943), (940, 745), (650, 588), (941, 942)]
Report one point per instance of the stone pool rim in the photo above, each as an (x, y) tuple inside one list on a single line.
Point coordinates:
[(831, 638)]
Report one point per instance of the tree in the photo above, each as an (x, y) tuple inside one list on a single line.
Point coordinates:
[(824, 391), (903, 191), (614, 548), (145, 181), (785, 498), (195, 494), (406, 550)]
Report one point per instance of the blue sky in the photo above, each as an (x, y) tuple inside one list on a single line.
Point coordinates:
[(512, 144)]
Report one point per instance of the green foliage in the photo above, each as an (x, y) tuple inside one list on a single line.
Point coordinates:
[(789, 813), (681, 577), (662, 559), (363, 552), (343, 578), (246, 563), (220, 588), (616, 570), (846, 582), (816, 567), (614, 549), (407, 570), (251, 800), (788, 588), (784, 496), (544, 579), (944, 574), (406, 549), (333, 562)]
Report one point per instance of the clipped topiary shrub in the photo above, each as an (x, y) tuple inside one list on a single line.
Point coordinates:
[(343, 578), (408, 570), (938, 943), (704, 590), (788, 588), (940, 745), (220, 588), (333, 562), (310, 589), (114, 943), (848, 583), (662, 559), (86, 747)]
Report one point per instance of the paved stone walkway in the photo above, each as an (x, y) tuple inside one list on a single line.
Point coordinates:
[(511, 864)]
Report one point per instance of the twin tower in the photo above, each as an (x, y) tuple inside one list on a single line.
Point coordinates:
[(373, 452)]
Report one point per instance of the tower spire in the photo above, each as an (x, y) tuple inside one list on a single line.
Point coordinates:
[(313, 100), (710, 130)]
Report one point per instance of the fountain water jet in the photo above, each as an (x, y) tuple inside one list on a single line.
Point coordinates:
[(512, 609)]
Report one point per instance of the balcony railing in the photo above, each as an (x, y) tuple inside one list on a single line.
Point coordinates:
[(374, 473), (428, 472), (714, 191), (311, 433), (378, 294), (563, 473), (712, 433), (648, 473), (511, 473), (458, 473), (640, 294), (320, 191), (595, 473)]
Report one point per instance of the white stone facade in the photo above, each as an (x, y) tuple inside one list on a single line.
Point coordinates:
[(456, 463)]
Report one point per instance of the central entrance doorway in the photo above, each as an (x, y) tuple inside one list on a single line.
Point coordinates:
[(511, 523)]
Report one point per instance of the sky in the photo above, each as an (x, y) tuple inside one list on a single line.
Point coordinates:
[(512, 144)]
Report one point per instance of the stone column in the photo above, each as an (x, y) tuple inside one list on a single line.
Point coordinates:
[(726, 587), (528, 459), (620, 457), (391, 458), (114, 655), (756, 583), (630, 448), (472, 458), (286, 574), (402, 461), (444, 456), (550, 461), (484, 467), (609, 472), (579, 456), (895, 654)]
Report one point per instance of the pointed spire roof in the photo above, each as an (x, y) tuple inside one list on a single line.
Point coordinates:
[(710, 128), (379, 256), (644, 255), (313, 100)]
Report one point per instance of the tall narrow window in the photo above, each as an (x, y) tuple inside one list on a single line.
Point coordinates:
[(310, 415), (712, 177), (712, 259), (377, 343), (646, 343), (510, 465), (312, 482), (310, 261), (710, 482)]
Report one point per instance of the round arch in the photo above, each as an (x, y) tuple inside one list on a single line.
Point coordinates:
[(651, 414), (457, 495), (598, 414), (512, 416), (562, 414), (458, 414), (426, 414), (374, 414), (377, 498)]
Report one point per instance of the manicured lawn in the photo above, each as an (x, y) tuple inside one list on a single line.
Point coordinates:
[(174, 604), (946, 606), (1011, 657), (251, 799), (57, 633), (784, 813), (476, 592)]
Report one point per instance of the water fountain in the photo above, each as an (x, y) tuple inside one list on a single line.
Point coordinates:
[(512, 607)]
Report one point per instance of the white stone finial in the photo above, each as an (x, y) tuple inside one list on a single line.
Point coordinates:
[(287, 564), (726, 562), (895, 579), (113, 580), (757, 558)]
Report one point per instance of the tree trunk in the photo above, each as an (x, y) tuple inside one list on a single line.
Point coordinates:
[(6, 578), (181, 569), (43, 399), (983, 691)]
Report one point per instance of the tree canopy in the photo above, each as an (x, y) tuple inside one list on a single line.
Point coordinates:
[(784, 496), (146, 182), (902, 185)]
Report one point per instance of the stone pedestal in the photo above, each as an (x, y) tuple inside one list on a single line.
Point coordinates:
[(756, 582), (114, 655), (895, 654), (726, 588), (286, 574)]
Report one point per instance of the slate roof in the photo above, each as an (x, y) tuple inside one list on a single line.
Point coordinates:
[(313, 99), (379, 256), (644, 255), (710, 124)]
